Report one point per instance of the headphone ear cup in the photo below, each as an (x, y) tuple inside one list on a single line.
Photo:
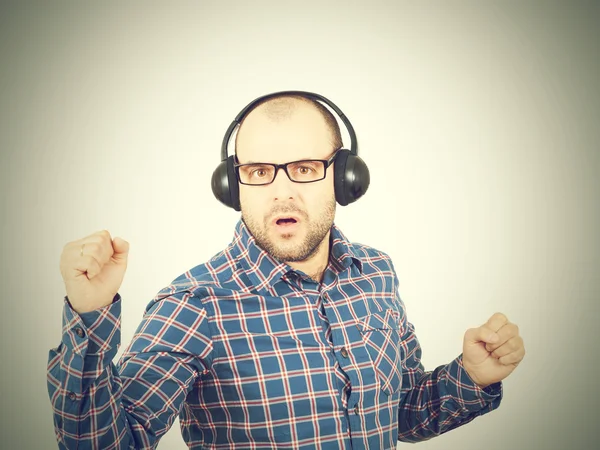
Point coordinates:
[(339, 181), (224, 184), (351, 177), (234, 187)]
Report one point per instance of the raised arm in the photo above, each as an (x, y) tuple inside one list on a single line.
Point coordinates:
[(100, 405)]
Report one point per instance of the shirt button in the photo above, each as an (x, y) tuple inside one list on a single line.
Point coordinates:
[(356, 409), (72, 396), (344, 352), (79, 332)]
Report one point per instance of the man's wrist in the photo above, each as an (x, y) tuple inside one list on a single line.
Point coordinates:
[(115, 298)]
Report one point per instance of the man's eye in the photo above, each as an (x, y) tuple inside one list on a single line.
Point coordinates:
[(305, 170), (258, 173)]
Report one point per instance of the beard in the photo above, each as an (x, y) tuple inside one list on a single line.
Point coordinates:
[(288, 251)]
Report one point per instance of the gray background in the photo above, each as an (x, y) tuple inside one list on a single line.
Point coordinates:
[(479, 122)]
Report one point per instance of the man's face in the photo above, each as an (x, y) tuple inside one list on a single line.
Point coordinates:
[(289, 220)]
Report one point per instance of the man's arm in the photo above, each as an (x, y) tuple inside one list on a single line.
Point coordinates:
[(100, 405), (435, 402)]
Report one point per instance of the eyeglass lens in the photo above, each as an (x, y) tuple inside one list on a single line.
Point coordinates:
[(300, 171)]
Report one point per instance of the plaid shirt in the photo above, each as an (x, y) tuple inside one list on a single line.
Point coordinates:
[(253, 354)]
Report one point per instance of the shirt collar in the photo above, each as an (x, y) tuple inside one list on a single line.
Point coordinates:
[(342, 250), (265, 271)]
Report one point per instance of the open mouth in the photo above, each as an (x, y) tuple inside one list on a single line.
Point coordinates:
[(286, 221)]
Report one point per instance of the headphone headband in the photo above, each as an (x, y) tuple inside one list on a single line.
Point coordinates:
[(351, 175), (310, 95)]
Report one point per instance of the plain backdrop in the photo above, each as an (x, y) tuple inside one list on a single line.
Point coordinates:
[(479, 122)]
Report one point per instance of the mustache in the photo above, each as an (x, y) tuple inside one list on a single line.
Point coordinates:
[(286, 209)]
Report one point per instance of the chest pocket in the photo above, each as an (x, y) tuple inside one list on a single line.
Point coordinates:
[(381, 336)]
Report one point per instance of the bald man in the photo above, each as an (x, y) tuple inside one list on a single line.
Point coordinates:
[(291, 337)]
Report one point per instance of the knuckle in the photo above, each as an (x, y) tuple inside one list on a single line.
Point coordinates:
[(101, 243), (500, 316), (102, 235), (105, 236), (93, 247)]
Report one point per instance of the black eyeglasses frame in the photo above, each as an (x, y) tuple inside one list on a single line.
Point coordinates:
[(326, 164)]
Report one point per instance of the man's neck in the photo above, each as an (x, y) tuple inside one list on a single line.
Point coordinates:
[(315, 265)]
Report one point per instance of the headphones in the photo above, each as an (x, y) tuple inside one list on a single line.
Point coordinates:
[(351, 175)]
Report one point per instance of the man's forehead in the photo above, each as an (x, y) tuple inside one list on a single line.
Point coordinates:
[(275, 114), (303, 134), (280, 155)]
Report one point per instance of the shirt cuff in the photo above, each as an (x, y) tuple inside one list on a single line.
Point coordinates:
[(467, 394), (92, 333)]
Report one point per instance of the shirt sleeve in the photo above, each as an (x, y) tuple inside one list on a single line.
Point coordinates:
[(101, 405), (437, 401)]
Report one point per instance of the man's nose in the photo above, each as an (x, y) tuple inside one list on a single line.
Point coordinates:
[(283, 187)]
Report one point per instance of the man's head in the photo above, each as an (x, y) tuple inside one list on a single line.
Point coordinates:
[(280, 130)]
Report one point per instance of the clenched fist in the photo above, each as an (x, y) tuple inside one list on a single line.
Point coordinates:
[(492, 351), (93, 269)]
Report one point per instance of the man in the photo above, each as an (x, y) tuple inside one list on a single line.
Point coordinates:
[(292, 337)]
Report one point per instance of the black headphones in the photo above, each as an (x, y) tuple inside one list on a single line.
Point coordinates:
[(351, 175)]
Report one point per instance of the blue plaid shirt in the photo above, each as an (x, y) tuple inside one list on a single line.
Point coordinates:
[(253, 354)]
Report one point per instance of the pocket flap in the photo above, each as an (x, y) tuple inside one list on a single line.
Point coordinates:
[(383, 320)]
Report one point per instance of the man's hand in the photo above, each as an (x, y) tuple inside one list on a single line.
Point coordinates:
[(93, 269), (492, 351)]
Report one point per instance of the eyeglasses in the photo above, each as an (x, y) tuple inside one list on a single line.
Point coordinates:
[(303, 171)]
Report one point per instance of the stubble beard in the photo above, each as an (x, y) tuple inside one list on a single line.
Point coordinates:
[(317, 230)]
